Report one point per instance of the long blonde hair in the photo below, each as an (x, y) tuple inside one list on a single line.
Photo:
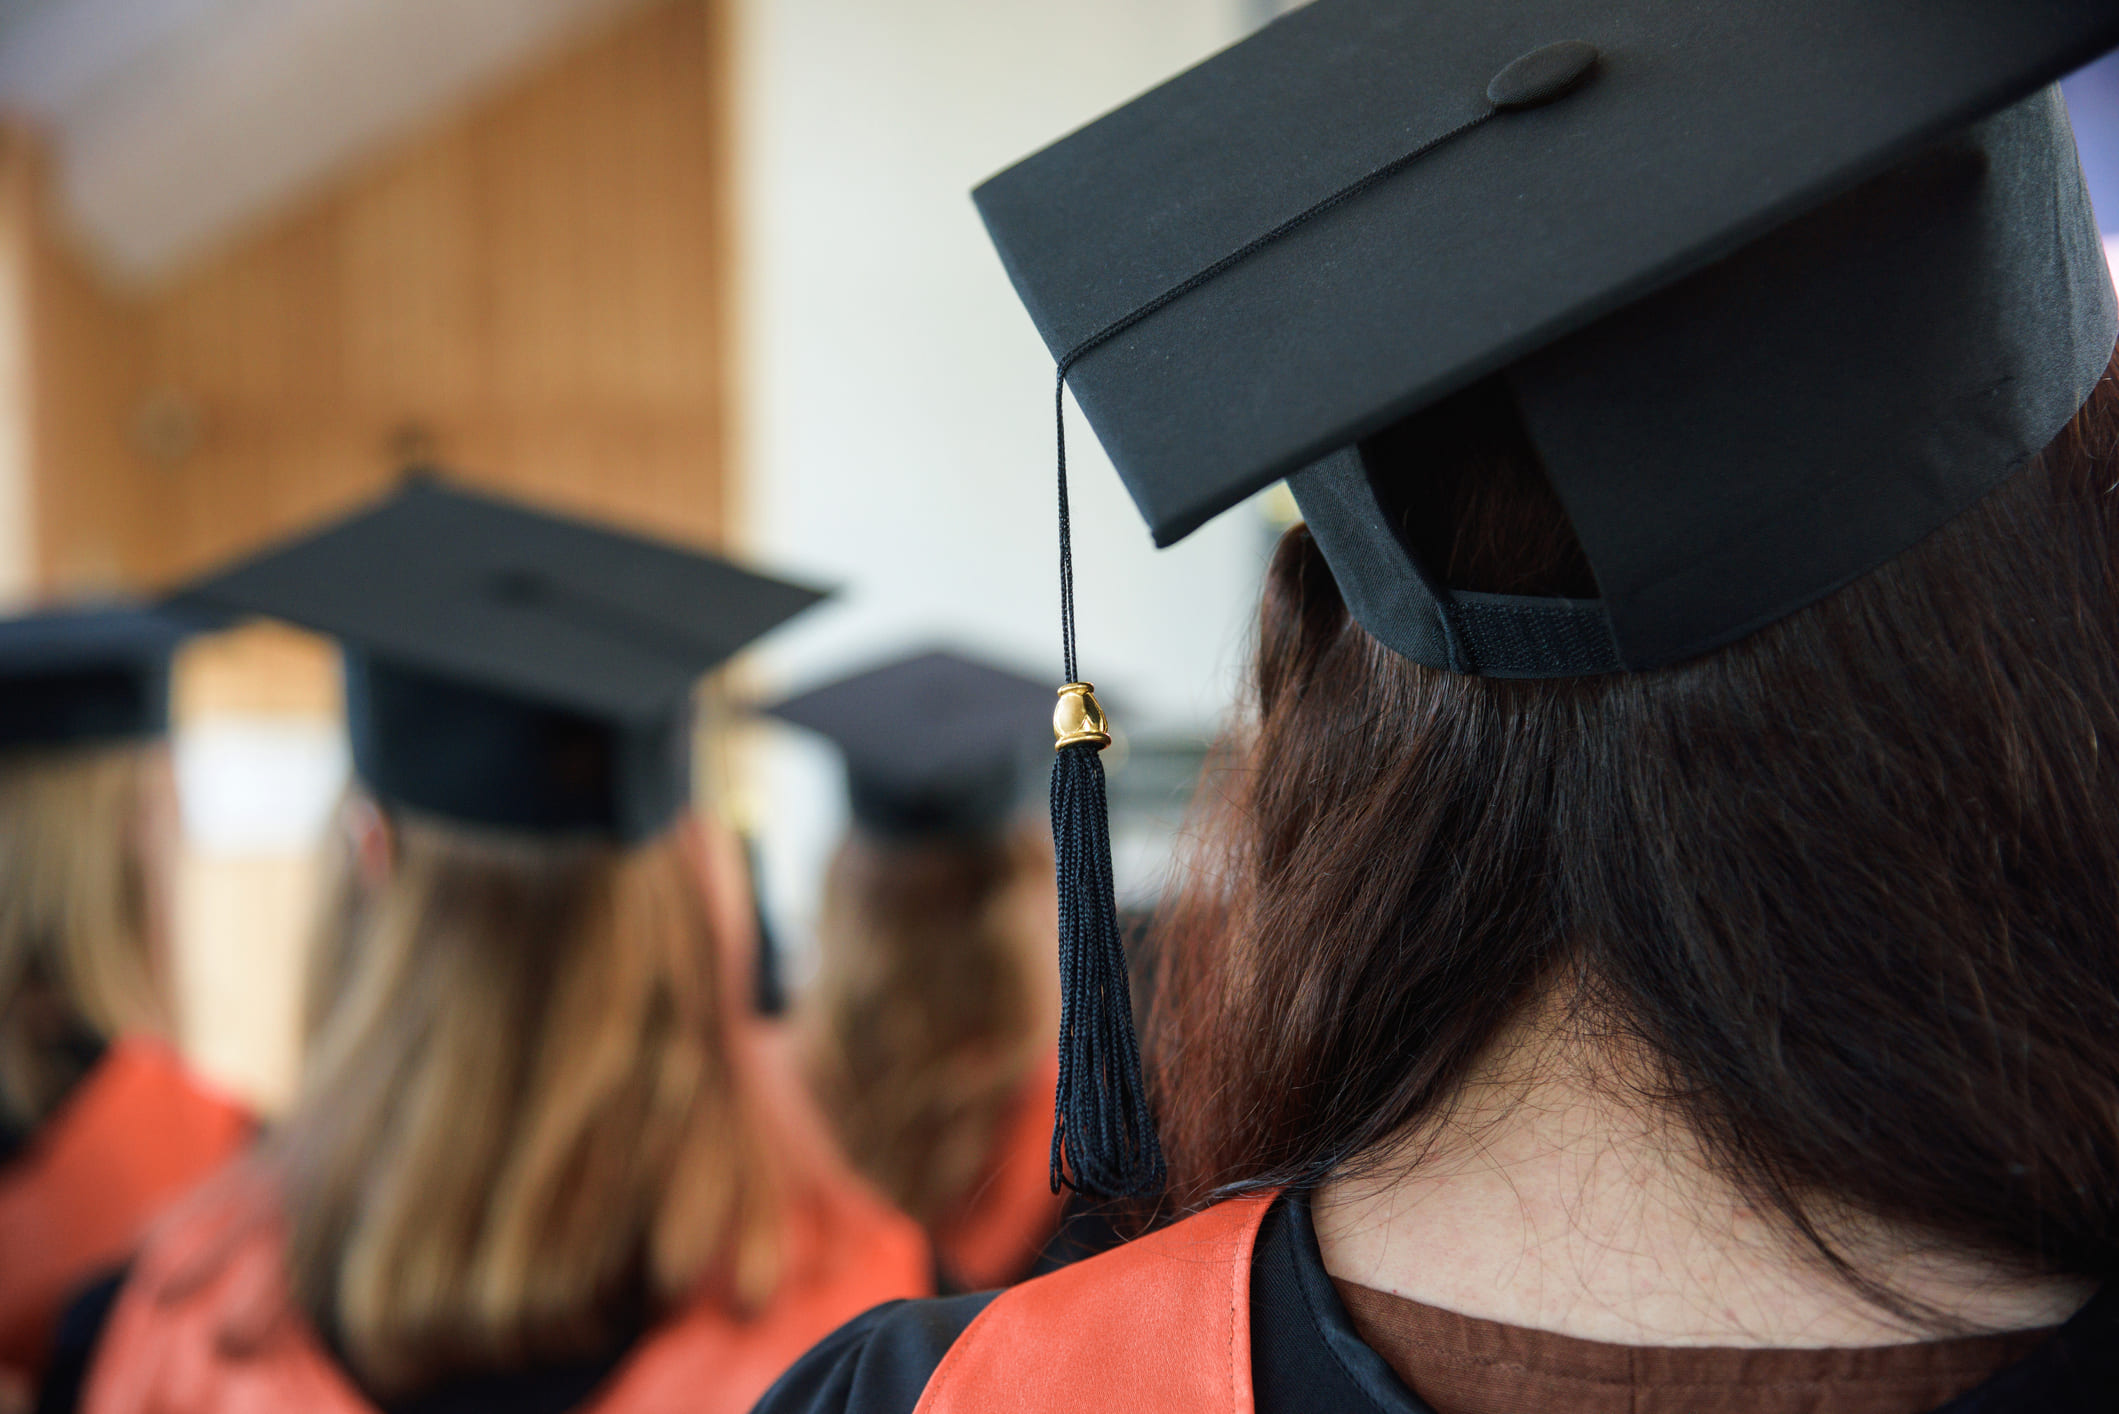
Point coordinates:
[(929, 1007), (78, 914), (521, 1131)]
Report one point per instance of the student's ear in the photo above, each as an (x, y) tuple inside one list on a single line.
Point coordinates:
[(373, 839)]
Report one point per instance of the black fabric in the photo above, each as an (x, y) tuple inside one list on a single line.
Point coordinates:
[(543, 1389), (1887, 370), (1710, 514), (1516, 636), (1704, 127), (1765, 431), (1548, 72), (2074, 1373), (768, 980), (1304, 1352), (74, 1342), (481, 757), (877, 1363), (78, 676), (1395, 599), (1087, 1226), (938, 744), (975, 799), (494, 594), (510, 668), (67, 709)]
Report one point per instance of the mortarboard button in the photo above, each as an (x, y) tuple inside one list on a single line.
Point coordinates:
[(1542, 75)]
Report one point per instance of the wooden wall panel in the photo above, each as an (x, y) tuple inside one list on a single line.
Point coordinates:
[(79, 388), (22, 189), (533, 291)]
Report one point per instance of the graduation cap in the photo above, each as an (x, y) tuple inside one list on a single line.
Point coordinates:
[(511, 668), (1776, 287), (937, 745), (76, 676)]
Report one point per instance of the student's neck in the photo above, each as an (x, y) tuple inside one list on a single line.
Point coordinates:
[(1550, 1201)]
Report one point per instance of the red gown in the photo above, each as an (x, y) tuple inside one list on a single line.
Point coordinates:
[(136, 1135), (205, 1322)]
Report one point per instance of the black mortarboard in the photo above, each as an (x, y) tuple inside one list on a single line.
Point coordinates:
[(1776, 287), (511, 668), (936, 745), (74, 676)]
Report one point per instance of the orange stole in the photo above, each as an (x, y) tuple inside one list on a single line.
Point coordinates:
[(1014, 1212), (137, 1134), (206, 1322), (1162, 1323)]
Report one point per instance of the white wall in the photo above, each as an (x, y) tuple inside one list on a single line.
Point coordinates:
[(899, 439)]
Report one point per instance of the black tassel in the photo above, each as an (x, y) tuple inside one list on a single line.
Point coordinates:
[(1103, 1137)]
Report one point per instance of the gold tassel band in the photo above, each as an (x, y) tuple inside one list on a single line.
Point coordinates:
[(1079, 718)]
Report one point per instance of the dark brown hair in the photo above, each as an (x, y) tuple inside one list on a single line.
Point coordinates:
[(923, 1023), (1852, 882)]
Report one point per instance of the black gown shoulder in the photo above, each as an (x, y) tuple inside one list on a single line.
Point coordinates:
[(877, 1363), (74, 1343)]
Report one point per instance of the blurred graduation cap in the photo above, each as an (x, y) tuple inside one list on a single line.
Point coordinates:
[(76, 676), (937, 745), (508, 667), (1774, 287), (1777, 286)]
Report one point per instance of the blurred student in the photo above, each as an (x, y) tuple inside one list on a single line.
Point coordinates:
[(928, 1030), (101, 1124), (544, 1156)]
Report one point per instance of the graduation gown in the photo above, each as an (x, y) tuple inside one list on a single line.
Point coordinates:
[(204, 1322), (137, 1133), (1230, 1311)]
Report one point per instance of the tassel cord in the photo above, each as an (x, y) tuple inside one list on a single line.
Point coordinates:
[(1066, 524)]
